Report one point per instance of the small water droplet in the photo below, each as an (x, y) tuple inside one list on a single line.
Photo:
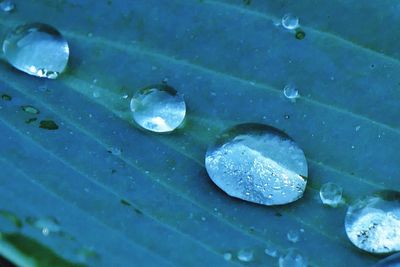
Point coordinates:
[(245, 255), (290, 91), (47, 225), (37, 49), (30, 109), (115, 151), (293, 258), (391, 261), (331, 194), (227, 256), (372, 223), (158, 108), (271, 251), (290, 21), (276, 164), (7, 5), (293, 236)]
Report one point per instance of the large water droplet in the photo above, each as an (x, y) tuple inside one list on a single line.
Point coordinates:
[(245, 255), (373, 223), (331, 194), (37, 49), (158, 108), (290, 21), (258, 163), (7, 5), (391, 261), (292, 258)]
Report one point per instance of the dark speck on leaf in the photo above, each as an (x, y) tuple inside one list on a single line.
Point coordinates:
[(48, 125), (300, 34), (247, 2), (278, 214), (138, 211), (125, 202)]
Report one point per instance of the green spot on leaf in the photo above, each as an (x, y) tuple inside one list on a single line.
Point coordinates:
[(30, 109), (300, 34), (48, 125), (6, 97)]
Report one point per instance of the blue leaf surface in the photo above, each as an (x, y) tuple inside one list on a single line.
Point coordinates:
[(153, 204)]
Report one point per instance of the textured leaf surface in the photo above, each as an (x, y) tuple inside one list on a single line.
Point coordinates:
[(153, 204)]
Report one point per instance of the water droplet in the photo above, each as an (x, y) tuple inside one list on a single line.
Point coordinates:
[(292, 258), (331, 194), (290, 22), (7, 5), (391, 261), (271, 251), (47, 225), (293, 236), (37, 49), (115, 151), (245, 255), (158, 108), (227, 256), (30, 109), (290, 91), (276, 164), (372, 223)]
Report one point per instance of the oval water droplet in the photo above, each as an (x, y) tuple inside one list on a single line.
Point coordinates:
[(372, 223), (293, 258), (37, 49), (276, 164), (290, 21), (290, 91), (7, 5), (47, 225), (391, 261), (245, 255), (158, 108), (331, 194)]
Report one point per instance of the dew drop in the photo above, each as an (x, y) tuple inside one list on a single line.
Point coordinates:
[(47, 225), (37, 49), (271, 251), (290, 21), (391, 261), (372, 223), (7, 5), (30, 109), (293, 236), (158, 108), (245, 255), (290, 91), (292, 258), (276, 165), (331, 194)]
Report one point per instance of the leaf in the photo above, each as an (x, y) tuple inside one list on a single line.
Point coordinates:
[(154, 205)]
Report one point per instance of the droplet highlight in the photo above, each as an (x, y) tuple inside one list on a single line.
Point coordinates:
[(258, 163), (37, 49), (158, 108), (290, 22), (7, 6), (290, 91), (372, 223), (245, 255), (331, 194)]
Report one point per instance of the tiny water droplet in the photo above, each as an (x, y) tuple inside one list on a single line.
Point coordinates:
[(372, 223), (292, 258), (331, 194), (290, 91), (37, 49), (276, 165), (293, 236), (47, 225), (30, 109), (158, 108), (391, 261), (271, 251), (7, 5), (227, 256), (290, 21), (115, 151), (245, 255)]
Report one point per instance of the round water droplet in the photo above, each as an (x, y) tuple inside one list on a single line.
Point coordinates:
[(372, 223), (331, 194), (290, 22), (293, 236), (245, 255), (292, 258), (290, 91), (271, 251), (37, 49), (276, 165), (391, 261), (7, 5), (227, 256), (158, 108)]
